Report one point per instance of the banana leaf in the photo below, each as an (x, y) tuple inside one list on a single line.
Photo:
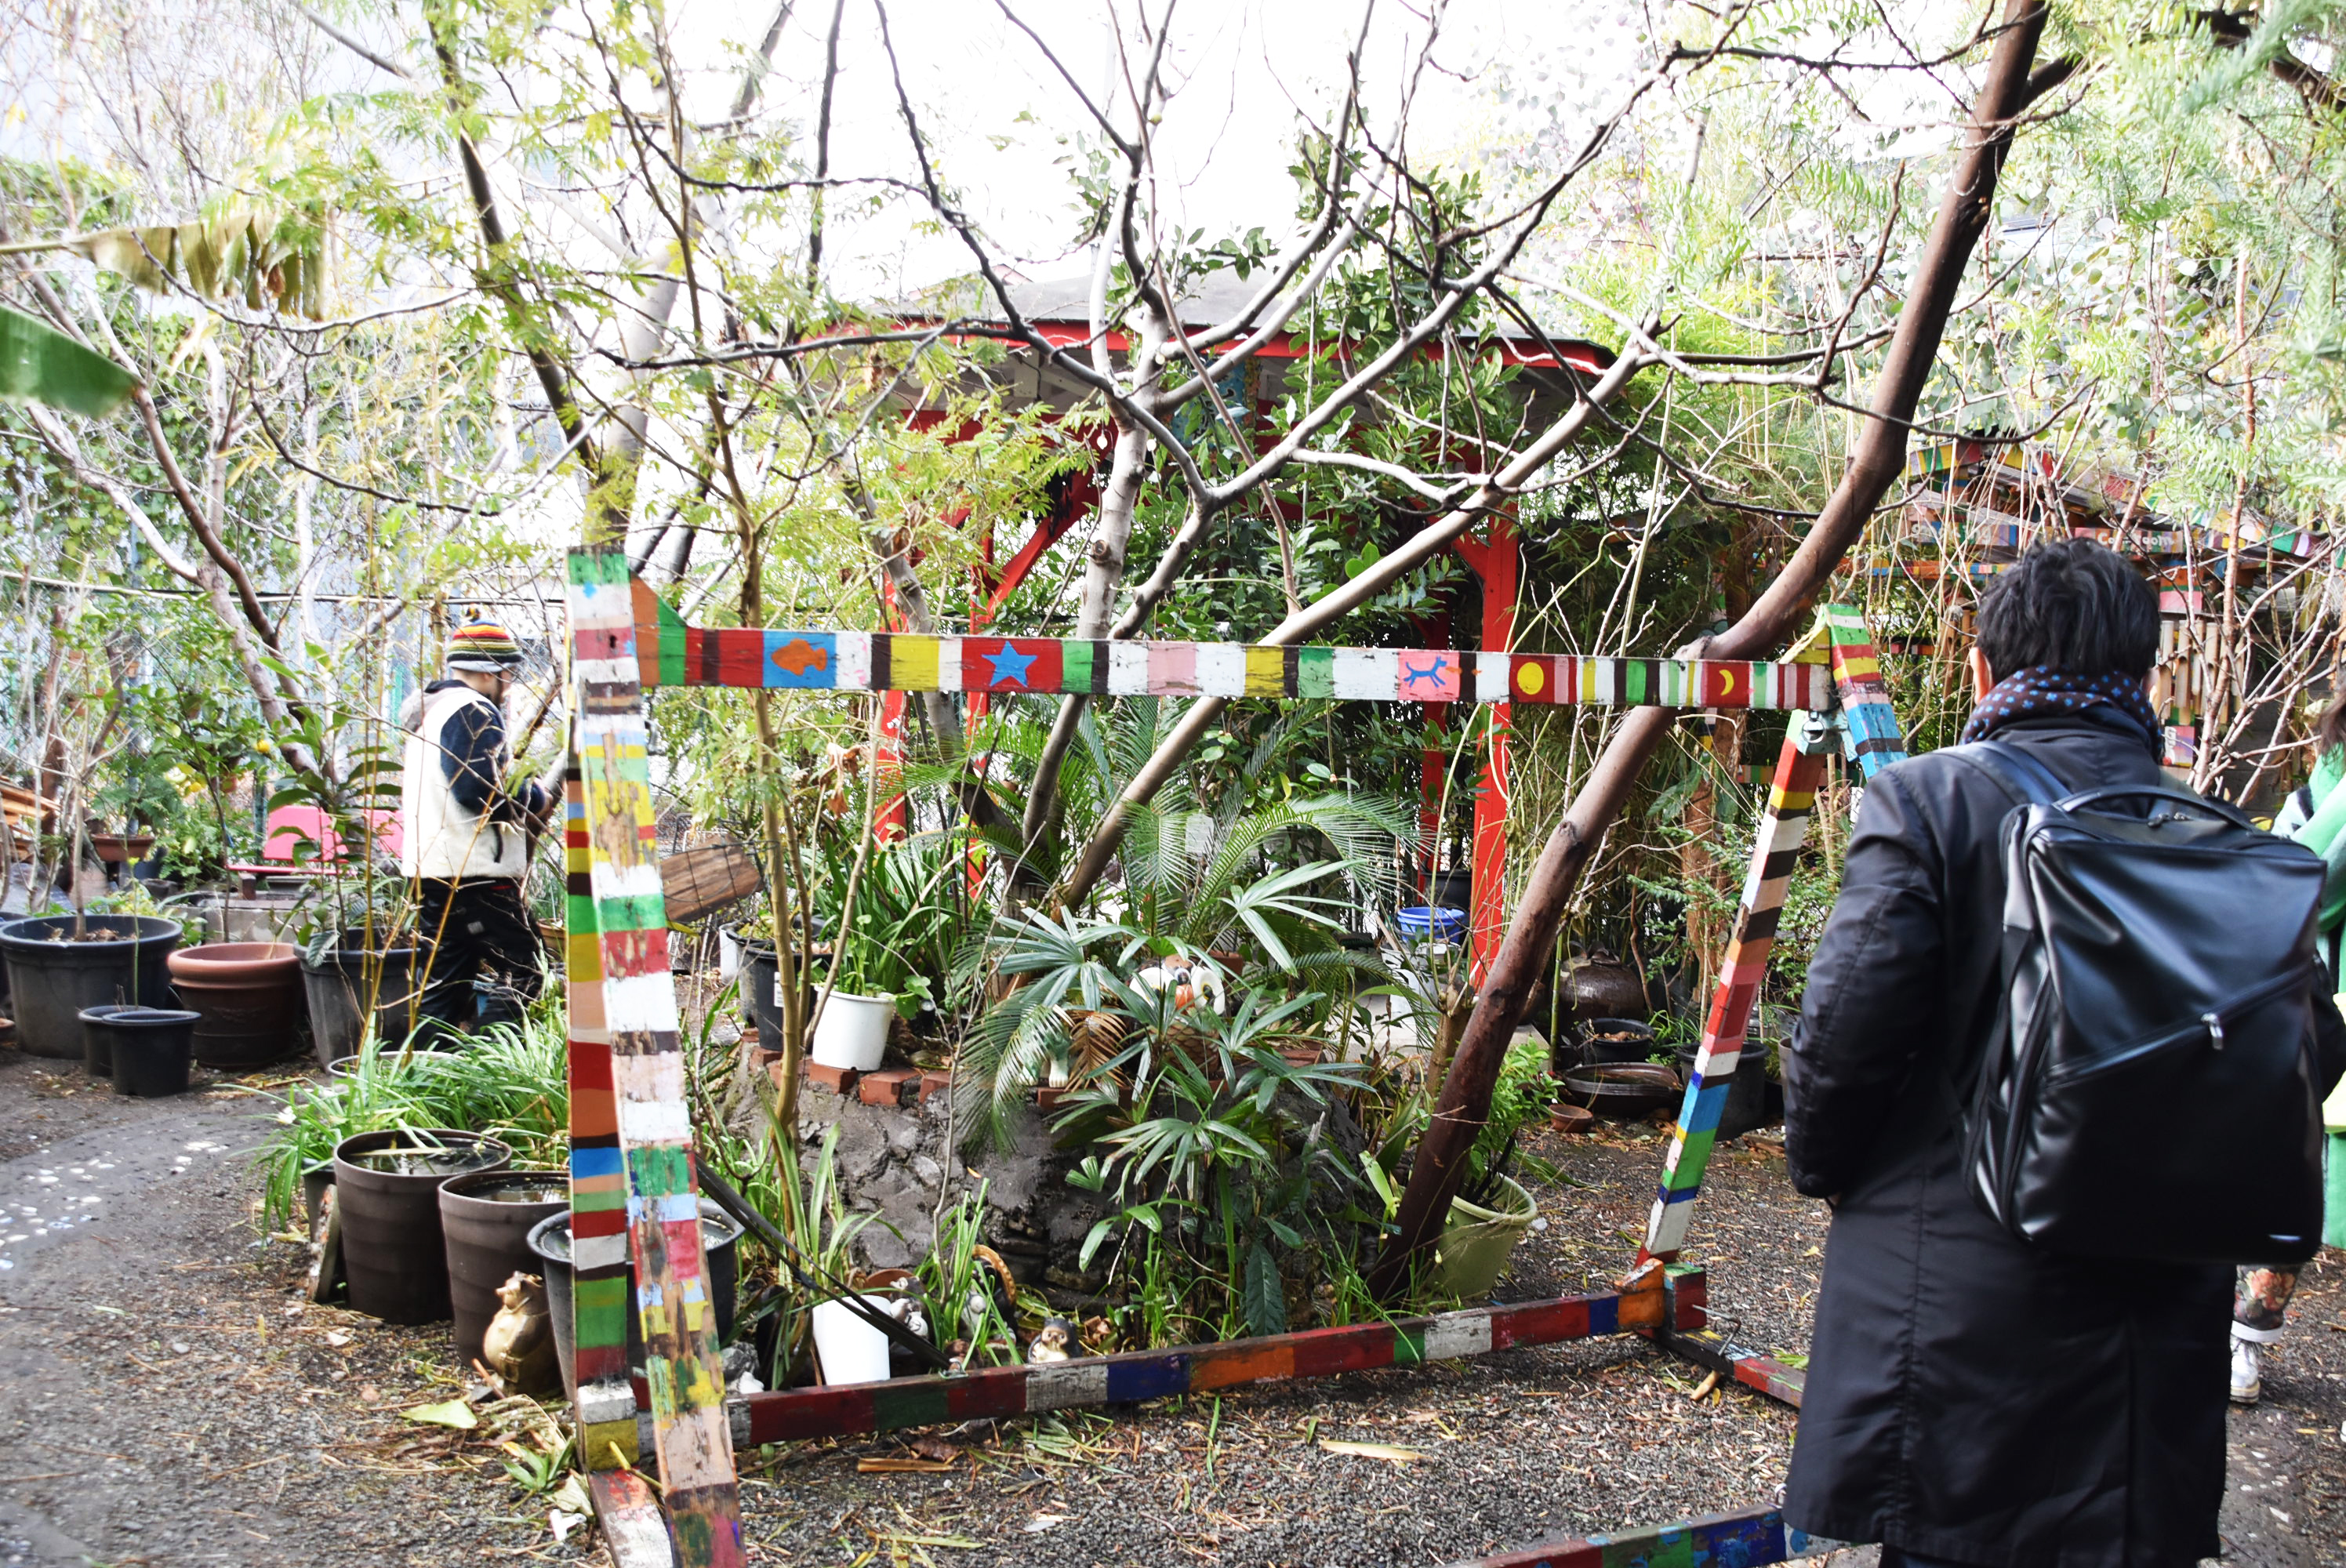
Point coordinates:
[(40, 364)]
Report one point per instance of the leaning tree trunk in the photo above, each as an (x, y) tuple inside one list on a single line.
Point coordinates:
[(1876, 462)]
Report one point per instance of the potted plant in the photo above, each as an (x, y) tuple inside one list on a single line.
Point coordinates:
[(357, 959), (870, 984)]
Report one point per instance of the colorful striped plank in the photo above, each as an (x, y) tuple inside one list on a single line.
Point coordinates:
[(599, 1194), (638, 1021), (1746, 1540), (1782, 828), (669, 653), (1870, 732), (634, 1532), (792, 1415), (1874, 738)]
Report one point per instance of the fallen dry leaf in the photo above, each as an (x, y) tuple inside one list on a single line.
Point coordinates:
[(1384, 1450), (901, 1464)]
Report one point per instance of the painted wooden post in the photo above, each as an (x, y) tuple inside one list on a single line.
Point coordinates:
[(1499, 563), (1870, 733), (640, 1122)]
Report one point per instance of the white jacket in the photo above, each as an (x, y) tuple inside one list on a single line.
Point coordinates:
[(444, 837)]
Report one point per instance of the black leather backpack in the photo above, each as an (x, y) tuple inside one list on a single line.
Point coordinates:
[(2151, 1092)]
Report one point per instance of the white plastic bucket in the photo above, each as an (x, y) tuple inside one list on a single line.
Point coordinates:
[(854, 1031), (850, 1349)]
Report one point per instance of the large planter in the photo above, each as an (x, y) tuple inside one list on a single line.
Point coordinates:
[(549, 1243), (52, 981), (250, 996), (1473, 1249), (485, 1218), (348, 980), (387, 1192), (854, 1031)]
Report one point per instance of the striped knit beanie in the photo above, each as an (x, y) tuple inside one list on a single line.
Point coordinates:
[(483, 646)]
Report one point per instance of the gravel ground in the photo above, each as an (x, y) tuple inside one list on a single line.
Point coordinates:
[(166, 1399)]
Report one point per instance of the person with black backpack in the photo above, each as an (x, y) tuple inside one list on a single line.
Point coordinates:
[(2057, 1071)]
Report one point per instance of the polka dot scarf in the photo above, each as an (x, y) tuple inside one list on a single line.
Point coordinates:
[(2034, 692)]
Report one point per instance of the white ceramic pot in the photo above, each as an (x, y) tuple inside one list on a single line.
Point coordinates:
[(854, 1031), (850, 1349)]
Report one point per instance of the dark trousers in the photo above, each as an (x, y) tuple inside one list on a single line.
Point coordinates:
[(479, 953)]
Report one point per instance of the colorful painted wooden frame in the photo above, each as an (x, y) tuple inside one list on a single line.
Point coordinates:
[(634, 1196)]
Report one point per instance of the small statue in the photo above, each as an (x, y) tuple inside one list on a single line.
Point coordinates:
[(517, 1350), (1055, 1342)]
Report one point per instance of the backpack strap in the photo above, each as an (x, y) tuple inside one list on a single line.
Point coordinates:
[(2028, 781)]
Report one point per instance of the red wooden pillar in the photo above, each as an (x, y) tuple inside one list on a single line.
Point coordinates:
[(1499, 563)]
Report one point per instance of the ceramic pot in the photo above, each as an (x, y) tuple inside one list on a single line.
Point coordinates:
[(387, 1187), (250, 997)]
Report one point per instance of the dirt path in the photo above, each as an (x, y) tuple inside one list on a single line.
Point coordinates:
[(166, 1398)]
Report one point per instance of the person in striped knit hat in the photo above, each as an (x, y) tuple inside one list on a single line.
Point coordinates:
[(468, 831)]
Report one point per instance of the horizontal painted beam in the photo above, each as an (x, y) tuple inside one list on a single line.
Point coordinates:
[(677, 656), (791, 1415), (1746, 1540)]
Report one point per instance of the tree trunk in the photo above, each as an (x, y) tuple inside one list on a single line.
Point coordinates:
[(1876, 464)]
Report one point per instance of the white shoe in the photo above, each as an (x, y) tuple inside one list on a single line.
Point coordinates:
[(2246, 1385)]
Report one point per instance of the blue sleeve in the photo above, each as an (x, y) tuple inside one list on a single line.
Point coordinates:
[(472, 747)]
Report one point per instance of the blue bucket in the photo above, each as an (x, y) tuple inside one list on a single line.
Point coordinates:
[(1419, 921)]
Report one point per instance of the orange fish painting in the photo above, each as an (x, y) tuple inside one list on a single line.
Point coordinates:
[(799, 655)]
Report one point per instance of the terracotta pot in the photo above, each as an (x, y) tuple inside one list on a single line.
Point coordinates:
[(121, 849), (250, 996)]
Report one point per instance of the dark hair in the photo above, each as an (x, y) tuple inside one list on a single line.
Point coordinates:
[(2329, 729), (2070, 604)]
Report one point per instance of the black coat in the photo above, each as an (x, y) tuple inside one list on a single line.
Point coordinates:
[(1969, 1397)]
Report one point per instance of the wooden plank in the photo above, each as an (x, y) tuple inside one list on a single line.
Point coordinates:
[(811, 660), (1749, 1538), (706, 877), (634, 1532), (681, 1365), (796, 1414)]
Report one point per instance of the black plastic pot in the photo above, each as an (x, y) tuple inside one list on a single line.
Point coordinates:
[(146, 1050), (338, 989), (549, 1241), (51, 981), (485, 1218), (1747, 1090), (1630, 1041), (392, 1252)]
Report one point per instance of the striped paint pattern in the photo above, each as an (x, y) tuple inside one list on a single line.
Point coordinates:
[(845, 1410), (598, 1192), (1874, 736), (1876, 741), (671, 654), (1748, 1539), (648, 1165), (1782, 828)]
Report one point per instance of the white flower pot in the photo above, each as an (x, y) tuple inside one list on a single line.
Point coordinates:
[(850, 1349), (854, 1031)]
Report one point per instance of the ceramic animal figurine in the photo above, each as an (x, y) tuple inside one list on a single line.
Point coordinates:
[(1191, 983), (519, 1347), (1055, 1342)]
